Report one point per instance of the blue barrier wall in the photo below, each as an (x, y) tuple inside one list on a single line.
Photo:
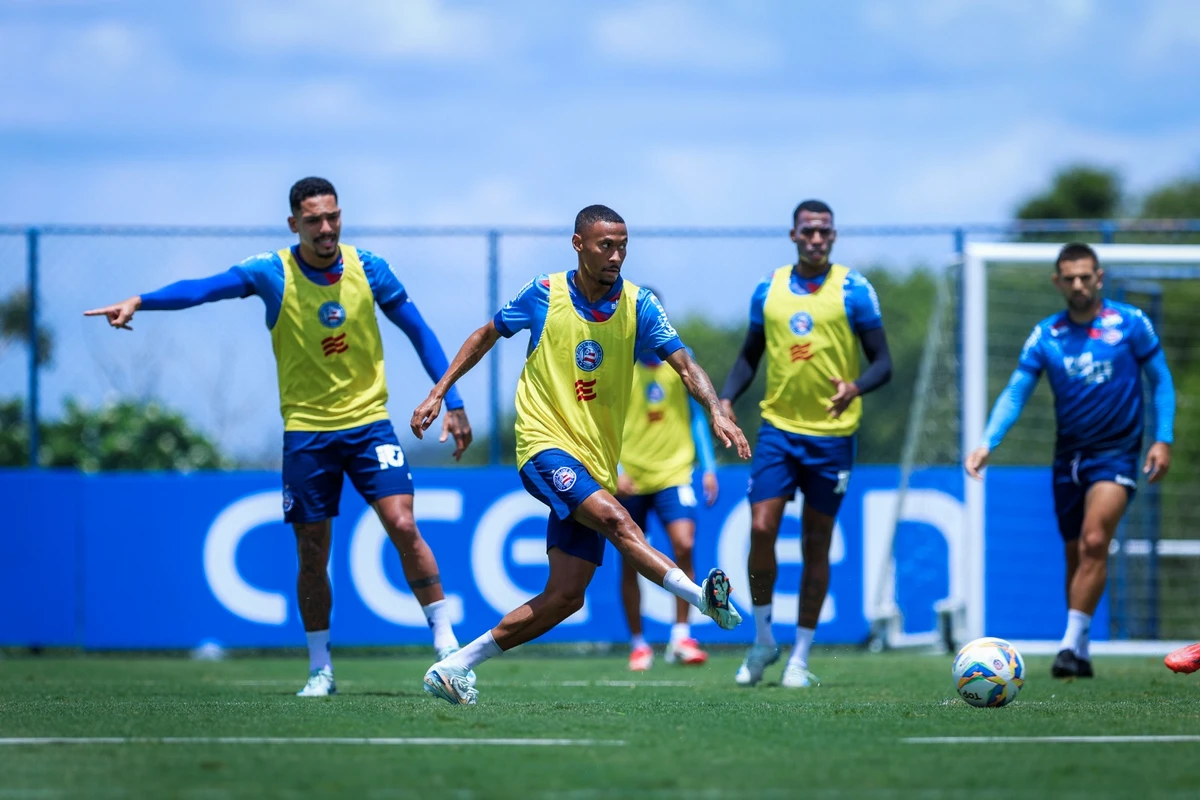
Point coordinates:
[(167, 561)]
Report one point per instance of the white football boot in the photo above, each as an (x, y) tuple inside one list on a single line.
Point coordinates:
[(446, 652), (758, 658), (451, 683), (714, 600), (798, 677), (320, 684)]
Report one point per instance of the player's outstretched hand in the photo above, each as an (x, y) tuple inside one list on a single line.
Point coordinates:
[(118, 314), (711, 488), (976, 461), (425, 414), (457, 425), (728, 406), (1158, 462), (730, 435), (845, 393)]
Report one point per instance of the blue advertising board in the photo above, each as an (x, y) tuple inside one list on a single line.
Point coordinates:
[(168, 561)]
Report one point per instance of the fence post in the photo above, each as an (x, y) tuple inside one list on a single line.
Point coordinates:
[(494, 358), (31, 247), (1108, 230)]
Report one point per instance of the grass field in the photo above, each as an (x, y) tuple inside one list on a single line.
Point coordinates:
[(671, 733)]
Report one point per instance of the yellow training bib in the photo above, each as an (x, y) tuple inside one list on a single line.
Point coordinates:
[(809, 341), (574, 389), (328, 352), (658, 450)]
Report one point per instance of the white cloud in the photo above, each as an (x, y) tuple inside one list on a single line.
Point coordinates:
[(673, 34), (411, 29)]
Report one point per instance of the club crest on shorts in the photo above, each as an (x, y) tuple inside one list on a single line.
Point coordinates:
[(564, 478), (289, 500), (801, 323), (589, 355), (331, 314)]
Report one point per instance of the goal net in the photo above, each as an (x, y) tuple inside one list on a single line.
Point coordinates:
[(1006, 577)]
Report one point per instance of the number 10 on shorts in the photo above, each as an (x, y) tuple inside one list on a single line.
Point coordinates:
[(389, 455)]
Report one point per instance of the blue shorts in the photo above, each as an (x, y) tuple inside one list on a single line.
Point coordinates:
[(670, 505), (561, 482), (1075, 474), (314, 462), (819, 466)]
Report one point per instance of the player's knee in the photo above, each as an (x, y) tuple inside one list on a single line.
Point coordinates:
[(567, 600), (1093, 544), (402, 528), (762, 535)]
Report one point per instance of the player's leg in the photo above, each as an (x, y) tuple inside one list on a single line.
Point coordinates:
[(602, 513), (420, 567), (824, 478), (641, 656), (773, 481), (1105, 505), (563, 595), (376, 464), (676, 509), (312, 485)]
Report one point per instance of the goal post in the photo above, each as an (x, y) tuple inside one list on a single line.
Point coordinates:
[(1131, 262)]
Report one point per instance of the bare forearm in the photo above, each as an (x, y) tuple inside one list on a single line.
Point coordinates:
[(697, 382), (473, 349)]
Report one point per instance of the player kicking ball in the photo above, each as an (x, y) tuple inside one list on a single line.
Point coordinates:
[(320, 297), (666, 431), (1093, 354), (586, 328)]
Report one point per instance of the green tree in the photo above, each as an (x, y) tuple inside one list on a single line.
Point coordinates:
[(14, 326), (1080, 191), (1176, 200), (127, 435)]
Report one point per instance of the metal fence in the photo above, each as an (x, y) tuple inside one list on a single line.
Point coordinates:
[(458, 276)]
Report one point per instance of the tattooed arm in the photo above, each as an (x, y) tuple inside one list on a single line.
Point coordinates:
[(698, 383)]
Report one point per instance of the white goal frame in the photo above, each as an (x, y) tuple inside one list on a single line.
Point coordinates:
[(974, 396)]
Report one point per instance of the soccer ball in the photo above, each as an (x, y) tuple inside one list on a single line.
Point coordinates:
[(988, 673)]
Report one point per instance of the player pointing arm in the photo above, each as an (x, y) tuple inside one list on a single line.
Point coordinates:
[(320, 297)]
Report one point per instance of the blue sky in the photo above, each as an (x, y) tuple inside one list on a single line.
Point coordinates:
[(675, 113)]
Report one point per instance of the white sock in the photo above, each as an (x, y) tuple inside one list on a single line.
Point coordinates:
[(636, 641), (680, 631), (438, 615), (476, 652), (762, 626), (1076, 637), (318, 650), (680, 585), (804, 640)]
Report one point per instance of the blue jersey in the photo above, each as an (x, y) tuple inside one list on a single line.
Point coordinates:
[(655, 334), (1095, 372), (263, 275), (862, 304)]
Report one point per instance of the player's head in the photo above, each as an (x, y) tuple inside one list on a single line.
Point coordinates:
[(316, 217), (1078, 275), (813, 232), (600, 238)]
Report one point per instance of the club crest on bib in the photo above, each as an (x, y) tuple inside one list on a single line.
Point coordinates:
[(589, 355), (801, 323), (564, 478), (331, 314), (655, 393)]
